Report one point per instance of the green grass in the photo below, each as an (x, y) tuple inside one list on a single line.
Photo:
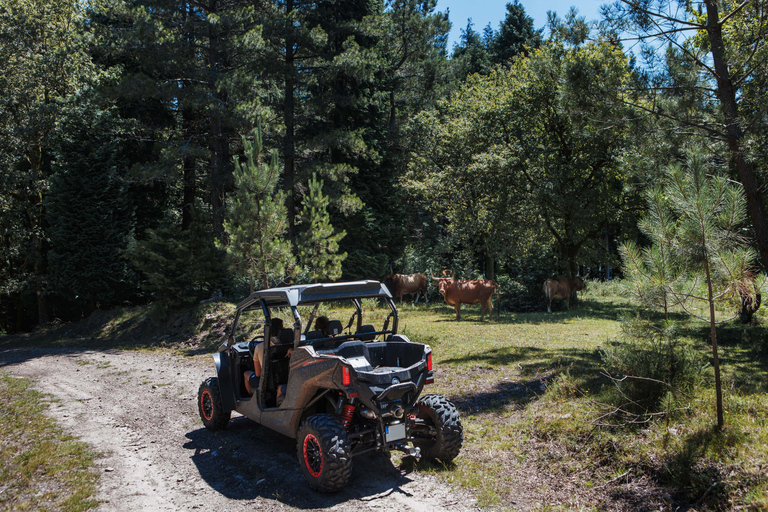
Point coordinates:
[(531, 394), (42, 468)]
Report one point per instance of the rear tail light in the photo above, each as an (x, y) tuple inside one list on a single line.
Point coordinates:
[(430, 378), (429, 362), (346, 380)]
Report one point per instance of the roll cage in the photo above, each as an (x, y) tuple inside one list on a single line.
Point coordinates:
[(313, 295)]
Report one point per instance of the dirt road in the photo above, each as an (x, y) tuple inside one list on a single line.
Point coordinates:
[(138, 410)]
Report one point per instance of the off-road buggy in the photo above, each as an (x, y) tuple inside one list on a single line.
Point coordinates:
[(355, 390)]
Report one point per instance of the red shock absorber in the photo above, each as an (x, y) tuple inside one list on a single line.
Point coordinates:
[(346, 415)]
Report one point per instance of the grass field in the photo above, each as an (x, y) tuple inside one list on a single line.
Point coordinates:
[(532, 398)]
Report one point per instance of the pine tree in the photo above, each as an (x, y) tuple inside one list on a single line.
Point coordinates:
[(651, 271), (471, 55), (318, 244), (89, 218), (178, 265), (515, 37), (256, 219), (709, 250)]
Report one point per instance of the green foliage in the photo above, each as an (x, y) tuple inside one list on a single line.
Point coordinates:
[(651, 271), (653, 362), (178, 266), (471, 54), (43, 59), (694, 225), (318, 245), (89, 217), (516, 35), (256, 218), (529, 155), (516, 296), (562, 387)]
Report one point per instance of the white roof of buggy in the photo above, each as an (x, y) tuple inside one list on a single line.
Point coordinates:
[(311, 293)]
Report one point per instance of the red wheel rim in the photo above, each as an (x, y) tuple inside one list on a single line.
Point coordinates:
[(206, 405), (313, 456)]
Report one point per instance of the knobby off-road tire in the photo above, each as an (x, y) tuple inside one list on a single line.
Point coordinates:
[(213, 414), (324, 453), (442, 418)]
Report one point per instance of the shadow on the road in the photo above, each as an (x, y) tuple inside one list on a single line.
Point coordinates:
[(246, 461), (22, 354)]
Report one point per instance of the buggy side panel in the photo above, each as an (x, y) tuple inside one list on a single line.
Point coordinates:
[(309, 376), (224, 373)]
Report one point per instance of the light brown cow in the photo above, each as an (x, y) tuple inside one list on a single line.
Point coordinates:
[(401, 284), (561, 289), (459, 291)]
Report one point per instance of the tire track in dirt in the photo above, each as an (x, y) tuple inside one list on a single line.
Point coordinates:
[(138, 410)]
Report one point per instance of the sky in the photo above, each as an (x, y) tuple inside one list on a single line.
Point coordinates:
[(483, 12)]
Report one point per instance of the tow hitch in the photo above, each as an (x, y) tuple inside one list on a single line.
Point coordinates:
[(410, 451)]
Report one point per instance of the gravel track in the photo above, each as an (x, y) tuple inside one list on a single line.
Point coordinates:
[(138, 410)]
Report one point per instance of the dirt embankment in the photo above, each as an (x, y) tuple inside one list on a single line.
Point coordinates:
[(138, 410)]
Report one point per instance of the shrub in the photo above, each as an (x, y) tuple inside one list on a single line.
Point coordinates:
[(658, 366), (515, 296), (595, 288)]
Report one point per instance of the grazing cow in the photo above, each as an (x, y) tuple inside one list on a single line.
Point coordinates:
[(561, 289), (401, 284), (459, 291)]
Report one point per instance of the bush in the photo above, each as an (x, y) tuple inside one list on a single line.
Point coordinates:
[(517, 296), (563, 387), (659, 366), (595, 288)]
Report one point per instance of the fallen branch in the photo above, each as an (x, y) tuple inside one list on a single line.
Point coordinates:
[(706, 493), (614, 479)]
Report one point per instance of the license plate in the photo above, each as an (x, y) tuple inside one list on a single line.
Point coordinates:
[(395, 432)]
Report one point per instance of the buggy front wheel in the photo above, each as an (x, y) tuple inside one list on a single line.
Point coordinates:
[(212, 412)]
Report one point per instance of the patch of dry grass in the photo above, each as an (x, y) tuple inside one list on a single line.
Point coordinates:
[(42, 468)]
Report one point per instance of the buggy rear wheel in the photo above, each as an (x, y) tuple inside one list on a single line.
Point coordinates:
[(324, 453), (437, 428), (213, 414)]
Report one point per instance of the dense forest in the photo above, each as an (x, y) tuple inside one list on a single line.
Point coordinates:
[(166, 151)]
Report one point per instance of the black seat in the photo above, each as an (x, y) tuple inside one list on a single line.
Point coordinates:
[(363, 335), (285, 342), (334, 327), (286, 337)]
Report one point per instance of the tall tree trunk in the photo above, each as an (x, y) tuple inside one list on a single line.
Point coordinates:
[(37, 162), (735, 135), (189, 163), (490, 268), (713, 336), (187, 128), (221, 166), (289, 149)]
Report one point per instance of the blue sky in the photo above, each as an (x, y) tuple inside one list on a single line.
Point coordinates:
[(483, 12)]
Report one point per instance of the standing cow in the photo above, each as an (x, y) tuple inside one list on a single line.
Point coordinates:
[(561, 289), (401, 284), (459, 291)]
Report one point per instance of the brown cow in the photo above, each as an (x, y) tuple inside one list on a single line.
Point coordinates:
[(561, 289), (459, 291), (401, 284)]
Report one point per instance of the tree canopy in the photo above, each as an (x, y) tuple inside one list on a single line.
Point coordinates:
[(508, 150)]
